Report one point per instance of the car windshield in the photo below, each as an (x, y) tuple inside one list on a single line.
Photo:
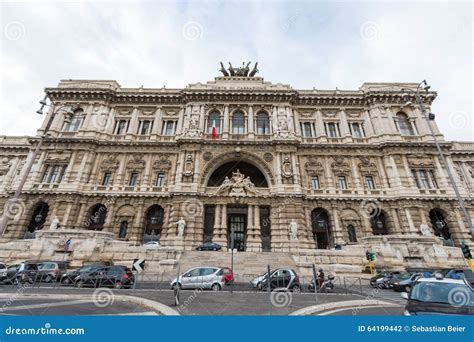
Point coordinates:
[(445, 293)]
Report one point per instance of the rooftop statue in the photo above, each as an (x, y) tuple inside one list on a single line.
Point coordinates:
[(244, 70)]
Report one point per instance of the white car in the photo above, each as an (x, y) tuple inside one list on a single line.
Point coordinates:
[(257, 281), (207, 277), (152, 244)]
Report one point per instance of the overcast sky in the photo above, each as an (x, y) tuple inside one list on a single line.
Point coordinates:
[(304, 44)]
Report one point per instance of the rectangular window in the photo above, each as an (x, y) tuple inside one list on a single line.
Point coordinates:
[(107, 178), (357, 129), (169, 127), (144, 127), (369, 182), (424, 180), (133, 179), (332, 129), (315, 182), (74, 124), (53, 174), (342, 182), (307, 129), (160, 180), (433, 179), (121, 127)]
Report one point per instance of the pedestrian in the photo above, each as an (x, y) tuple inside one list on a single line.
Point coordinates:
[(320, 277)]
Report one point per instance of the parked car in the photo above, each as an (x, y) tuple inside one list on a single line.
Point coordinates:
[(282, 279), (207, 277), (397, 278), (405, 285), (70, 277), (3, 270), (24, 272), (209, 246), (111, 276), (383, 274), (51, 271), (151, 245), (439, 296), (257, 281)]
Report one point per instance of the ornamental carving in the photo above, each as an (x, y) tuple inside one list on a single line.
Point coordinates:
[(286, 167), (268, 157), (313, 167), (340, 166), (366, 166), (136, 163), (189, 166), (193, 126), (162, 163), (420, 161), (58, 159), (207, 156), (238, 185), (110, 163), (4, 166)]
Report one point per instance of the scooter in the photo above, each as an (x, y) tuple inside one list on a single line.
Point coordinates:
[(327, 285)]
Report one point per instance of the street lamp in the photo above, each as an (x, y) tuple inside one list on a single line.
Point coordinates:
[(32, 156), (423, 86)]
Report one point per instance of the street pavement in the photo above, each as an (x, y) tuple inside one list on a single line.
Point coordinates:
[(50, 299)]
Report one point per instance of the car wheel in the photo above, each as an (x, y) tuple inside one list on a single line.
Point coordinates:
[(215, 287), (176, 286), (79, 284), (48, 279), (407, 288), (296, 289), (16, 281), (66, 281), (118, 286), (214, 249)]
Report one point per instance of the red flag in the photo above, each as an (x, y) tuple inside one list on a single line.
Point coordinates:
[(214, 130)]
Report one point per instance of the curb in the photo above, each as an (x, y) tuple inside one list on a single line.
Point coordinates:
[(161, 308), (310, 310)]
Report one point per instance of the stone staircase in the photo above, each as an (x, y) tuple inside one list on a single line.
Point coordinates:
[(247, 265)]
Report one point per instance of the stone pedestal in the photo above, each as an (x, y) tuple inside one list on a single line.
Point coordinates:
[(177, 243)]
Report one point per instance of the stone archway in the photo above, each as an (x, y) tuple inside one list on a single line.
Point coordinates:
[(244, 157), (38, 218)]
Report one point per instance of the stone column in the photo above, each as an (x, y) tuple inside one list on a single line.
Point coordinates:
[(251, 121), (345, 132), (64, 222), (225, 129), (202, 118), (132, 128), (220, 231), (338, 236), (411, 225), (397, 182), (359, 187), (382, 172), (254, 242), (411, 182), (367, 226), (396, 222), (320, 125), (158, 122)]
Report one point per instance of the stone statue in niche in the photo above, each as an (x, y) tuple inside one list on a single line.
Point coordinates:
[(181, 226), (425, 230), (189, 166), (54, 223), (287, 170), (193, 126), (293, 230)]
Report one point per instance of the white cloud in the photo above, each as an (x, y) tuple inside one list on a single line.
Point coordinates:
[(303, 44)]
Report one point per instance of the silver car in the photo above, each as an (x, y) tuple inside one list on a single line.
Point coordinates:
[(207, 277)]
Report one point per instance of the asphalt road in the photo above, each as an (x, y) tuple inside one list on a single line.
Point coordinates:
[(54, 301)]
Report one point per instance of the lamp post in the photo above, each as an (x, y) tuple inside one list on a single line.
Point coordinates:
[(32, 157), (430, 117)]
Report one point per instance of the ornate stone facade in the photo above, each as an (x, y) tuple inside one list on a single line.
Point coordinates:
[(244, 155)]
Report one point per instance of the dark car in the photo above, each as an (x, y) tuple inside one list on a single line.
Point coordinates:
[(69, 277), (209, 246), (113, 276), (51, 271), (383, 274), (405, 285), (397, 278), (282, 279), (445, 296), (24, 272)]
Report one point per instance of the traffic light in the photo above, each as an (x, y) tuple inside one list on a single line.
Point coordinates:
[(367, 255), (372, 256), (466, 251)]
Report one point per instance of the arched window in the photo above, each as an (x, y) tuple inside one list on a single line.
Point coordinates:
[(153, 223), (352, 233), (320, 228), (238, 123), (214, 120), (404, 125), (263, 123), (38, 218), (378, 223), (97, 216), (440, 226), (73, 123)]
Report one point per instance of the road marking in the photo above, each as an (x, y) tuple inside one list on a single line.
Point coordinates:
[(144, 313), (45, 305), (326, 313)]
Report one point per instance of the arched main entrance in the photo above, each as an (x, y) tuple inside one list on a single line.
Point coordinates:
[(256, 176), (439, 223), (153, 223), (320, 228), (378, 222), (38, 218)]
